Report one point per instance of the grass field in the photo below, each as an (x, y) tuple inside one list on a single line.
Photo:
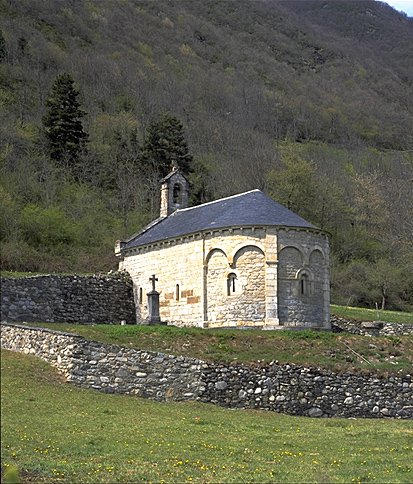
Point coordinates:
[(316, 348), (17, 275), (55, 432), (364, 314)]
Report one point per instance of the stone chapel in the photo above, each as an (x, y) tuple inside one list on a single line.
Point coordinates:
[(241, 261)]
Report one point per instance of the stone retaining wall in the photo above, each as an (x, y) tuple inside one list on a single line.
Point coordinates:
[(374, 328), (292, 389), (68, 299)]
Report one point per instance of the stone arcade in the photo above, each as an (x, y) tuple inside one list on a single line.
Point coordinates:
[(241, 261)]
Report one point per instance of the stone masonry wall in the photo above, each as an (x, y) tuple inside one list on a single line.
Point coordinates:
[(374, 328), (303, 253), (178, 267), (192, 276), (182, 265), (292, 389), (68, 299), (247, 304), (239, 251)]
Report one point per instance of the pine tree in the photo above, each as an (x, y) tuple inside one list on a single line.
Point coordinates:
[(3, 51), (165, 146), (63, 121)]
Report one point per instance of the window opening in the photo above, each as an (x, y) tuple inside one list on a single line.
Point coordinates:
[(177, 292), (231, 283), (140, 295), (176, 194), (304, 285)]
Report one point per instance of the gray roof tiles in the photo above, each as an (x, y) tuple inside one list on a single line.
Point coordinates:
[(246, 209), (172, 173)]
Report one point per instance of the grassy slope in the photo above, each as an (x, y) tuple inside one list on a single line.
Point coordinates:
[(22, 275), (54, 431), (327, 350), (365, 314)]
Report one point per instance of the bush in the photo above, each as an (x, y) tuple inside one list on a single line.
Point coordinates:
[(17, 255), (47, 226)]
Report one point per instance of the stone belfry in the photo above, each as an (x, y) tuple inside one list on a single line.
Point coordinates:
[(174, 192)]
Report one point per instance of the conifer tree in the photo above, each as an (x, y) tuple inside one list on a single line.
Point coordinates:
[(3, 51), (63, 121), (165, 146)]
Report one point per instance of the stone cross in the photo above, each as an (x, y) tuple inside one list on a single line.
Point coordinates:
[(153, 303), (153, 279)]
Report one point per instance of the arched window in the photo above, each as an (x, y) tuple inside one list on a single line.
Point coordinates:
[(177, 292), (304, 285), (140, 295), (176, 193), (231, 283)]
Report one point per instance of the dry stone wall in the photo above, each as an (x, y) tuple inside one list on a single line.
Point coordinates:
[(68, 299), (292, 389), (373, 328), (108, 368)]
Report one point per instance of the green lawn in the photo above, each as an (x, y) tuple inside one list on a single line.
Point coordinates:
[(364, 314), (316, 348), (55, 432)]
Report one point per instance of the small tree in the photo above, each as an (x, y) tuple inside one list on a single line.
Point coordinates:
[(385, 280), (165, 145), (63, 121)]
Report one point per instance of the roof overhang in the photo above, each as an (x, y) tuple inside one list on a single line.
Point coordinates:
[(121, 250)]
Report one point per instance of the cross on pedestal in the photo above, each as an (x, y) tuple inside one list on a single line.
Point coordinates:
[(153, 303), (153, 279)]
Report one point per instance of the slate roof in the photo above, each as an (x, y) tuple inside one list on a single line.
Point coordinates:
[(246, 209), (172, 173)]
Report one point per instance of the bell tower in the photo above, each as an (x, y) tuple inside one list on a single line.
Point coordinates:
[(174, 192)]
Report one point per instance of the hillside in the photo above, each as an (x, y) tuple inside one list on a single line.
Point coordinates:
[(311, 102)]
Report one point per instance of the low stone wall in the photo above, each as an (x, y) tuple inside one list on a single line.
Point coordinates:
[(68, 299), (374, 328), (290, 389)]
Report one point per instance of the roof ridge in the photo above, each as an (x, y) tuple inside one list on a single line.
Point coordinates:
[(215, 201), (145, 229), (251, 208)]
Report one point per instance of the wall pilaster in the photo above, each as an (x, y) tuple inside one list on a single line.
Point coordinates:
[(271, 268)]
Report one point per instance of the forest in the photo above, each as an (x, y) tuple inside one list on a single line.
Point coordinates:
[(311, 102)]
